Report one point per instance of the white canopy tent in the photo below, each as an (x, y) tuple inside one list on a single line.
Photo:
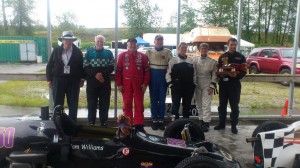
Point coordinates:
[(244, 43), (245, 46), (169, 39)]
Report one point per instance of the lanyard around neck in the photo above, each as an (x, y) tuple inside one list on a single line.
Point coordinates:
[(68, 56)]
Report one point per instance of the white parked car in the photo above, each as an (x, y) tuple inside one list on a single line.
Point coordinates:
[(144, 49), (119, 51)]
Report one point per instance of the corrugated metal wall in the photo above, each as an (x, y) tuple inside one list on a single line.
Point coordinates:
[(10, 50)]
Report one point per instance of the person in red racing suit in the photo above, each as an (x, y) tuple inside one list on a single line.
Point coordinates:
[(132, 78)]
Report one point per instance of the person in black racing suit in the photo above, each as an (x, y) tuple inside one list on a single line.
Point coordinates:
[(181, 77), (230, 85)]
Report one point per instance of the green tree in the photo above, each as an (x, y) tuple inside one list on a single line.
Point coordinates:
[(221, 13), (171, 24), (189, 16), (22, 9), (141, 17), (67, 21), (247, 17), (3, 5)]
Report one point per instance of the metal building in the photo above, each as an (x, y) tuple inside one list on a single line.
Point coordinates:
[(16, 49)]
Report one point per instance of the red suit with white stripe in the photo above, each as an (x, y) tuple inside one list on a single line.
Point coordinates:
[(132, 74)]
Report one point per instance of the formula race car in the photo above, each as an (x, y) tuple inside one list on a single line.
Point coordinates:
[(62, 143), (276, 145)]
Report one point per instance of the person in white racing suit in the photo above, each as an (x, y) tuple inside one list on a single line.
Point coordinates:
[(206, 69)]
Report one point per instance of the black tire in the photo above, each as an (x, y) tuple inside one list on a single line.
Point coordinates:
[(4, 163), (285, 71), (263, 127), (174, 130), (200, 162), (253, 69)]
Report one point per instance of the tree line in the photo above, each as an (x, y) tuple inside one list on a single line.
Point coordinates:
[(264, 22)]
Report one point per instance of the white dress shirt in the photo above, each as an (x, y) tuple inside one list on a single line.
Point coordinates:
[(66, 55)]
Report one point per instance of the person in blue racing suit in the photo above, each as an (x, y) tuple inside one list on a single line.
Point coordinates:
[(158, 60)]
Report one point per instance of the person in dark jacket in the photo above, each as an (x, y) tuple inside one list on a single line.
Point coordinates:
[(181, 77), (230, 85), (65, 73), (98, 64)]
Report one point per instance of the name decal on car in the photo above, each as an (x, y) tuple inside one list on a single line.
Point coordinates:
[(88, 147), (7, 136)]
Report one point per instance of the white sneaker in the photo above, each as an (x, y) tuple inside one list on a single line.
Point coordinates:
[(173, 118)]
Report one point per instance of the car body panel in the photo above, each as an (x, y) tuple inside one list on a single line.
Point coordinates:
[(281, 146)]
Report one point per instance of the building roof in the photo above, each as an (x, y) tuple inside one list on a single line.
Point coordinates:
[(209, 34)]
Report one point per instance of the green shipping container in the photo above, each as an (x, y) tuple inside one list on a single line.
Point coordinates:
[(23, 49), (9, 52)]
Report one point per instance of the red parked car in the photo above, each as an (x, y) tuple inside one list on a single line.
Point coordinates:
[(273, 60)]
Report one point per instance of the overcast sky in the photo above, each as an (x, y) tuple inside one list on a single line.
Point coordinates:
[(95, 13)]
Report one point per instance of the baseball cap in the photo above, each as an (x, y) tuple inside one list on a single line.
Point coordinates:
[(132, 40), (159, 37)]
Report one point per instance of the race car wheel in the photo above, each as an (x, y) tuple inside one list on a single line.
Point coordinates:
[(3, 163), (257, 145), (267, 126), (199, 162), (174, 130)]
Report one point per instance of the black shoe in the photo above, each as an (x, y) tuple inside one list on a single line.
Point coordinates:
[(206, 124), (91, 124), (103, 124), (203, 126), (234, 130), (174, 117), (161, 125), (154, 125), (140, 128), (219, 127)]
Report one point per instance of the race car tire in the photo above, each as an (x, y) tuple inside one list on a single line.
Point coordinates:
[(174, 130), (267, 126), (200, 162), (263, 127), (3, 163)]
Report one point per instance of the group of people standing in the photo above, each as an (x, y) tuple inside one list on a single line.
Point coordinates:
[(187, 77)]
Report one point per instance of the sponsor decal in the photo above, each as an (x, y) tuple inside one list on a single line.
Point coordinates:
[(89, 147), (176, 142), (154, 138), (7, 136), (41, 129), (16, 41), (125, 151), (226, 155), (146, 165)]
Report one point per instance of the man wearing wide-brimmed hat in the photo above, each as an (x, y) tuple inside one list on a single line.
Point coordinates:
[(65, 73)]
